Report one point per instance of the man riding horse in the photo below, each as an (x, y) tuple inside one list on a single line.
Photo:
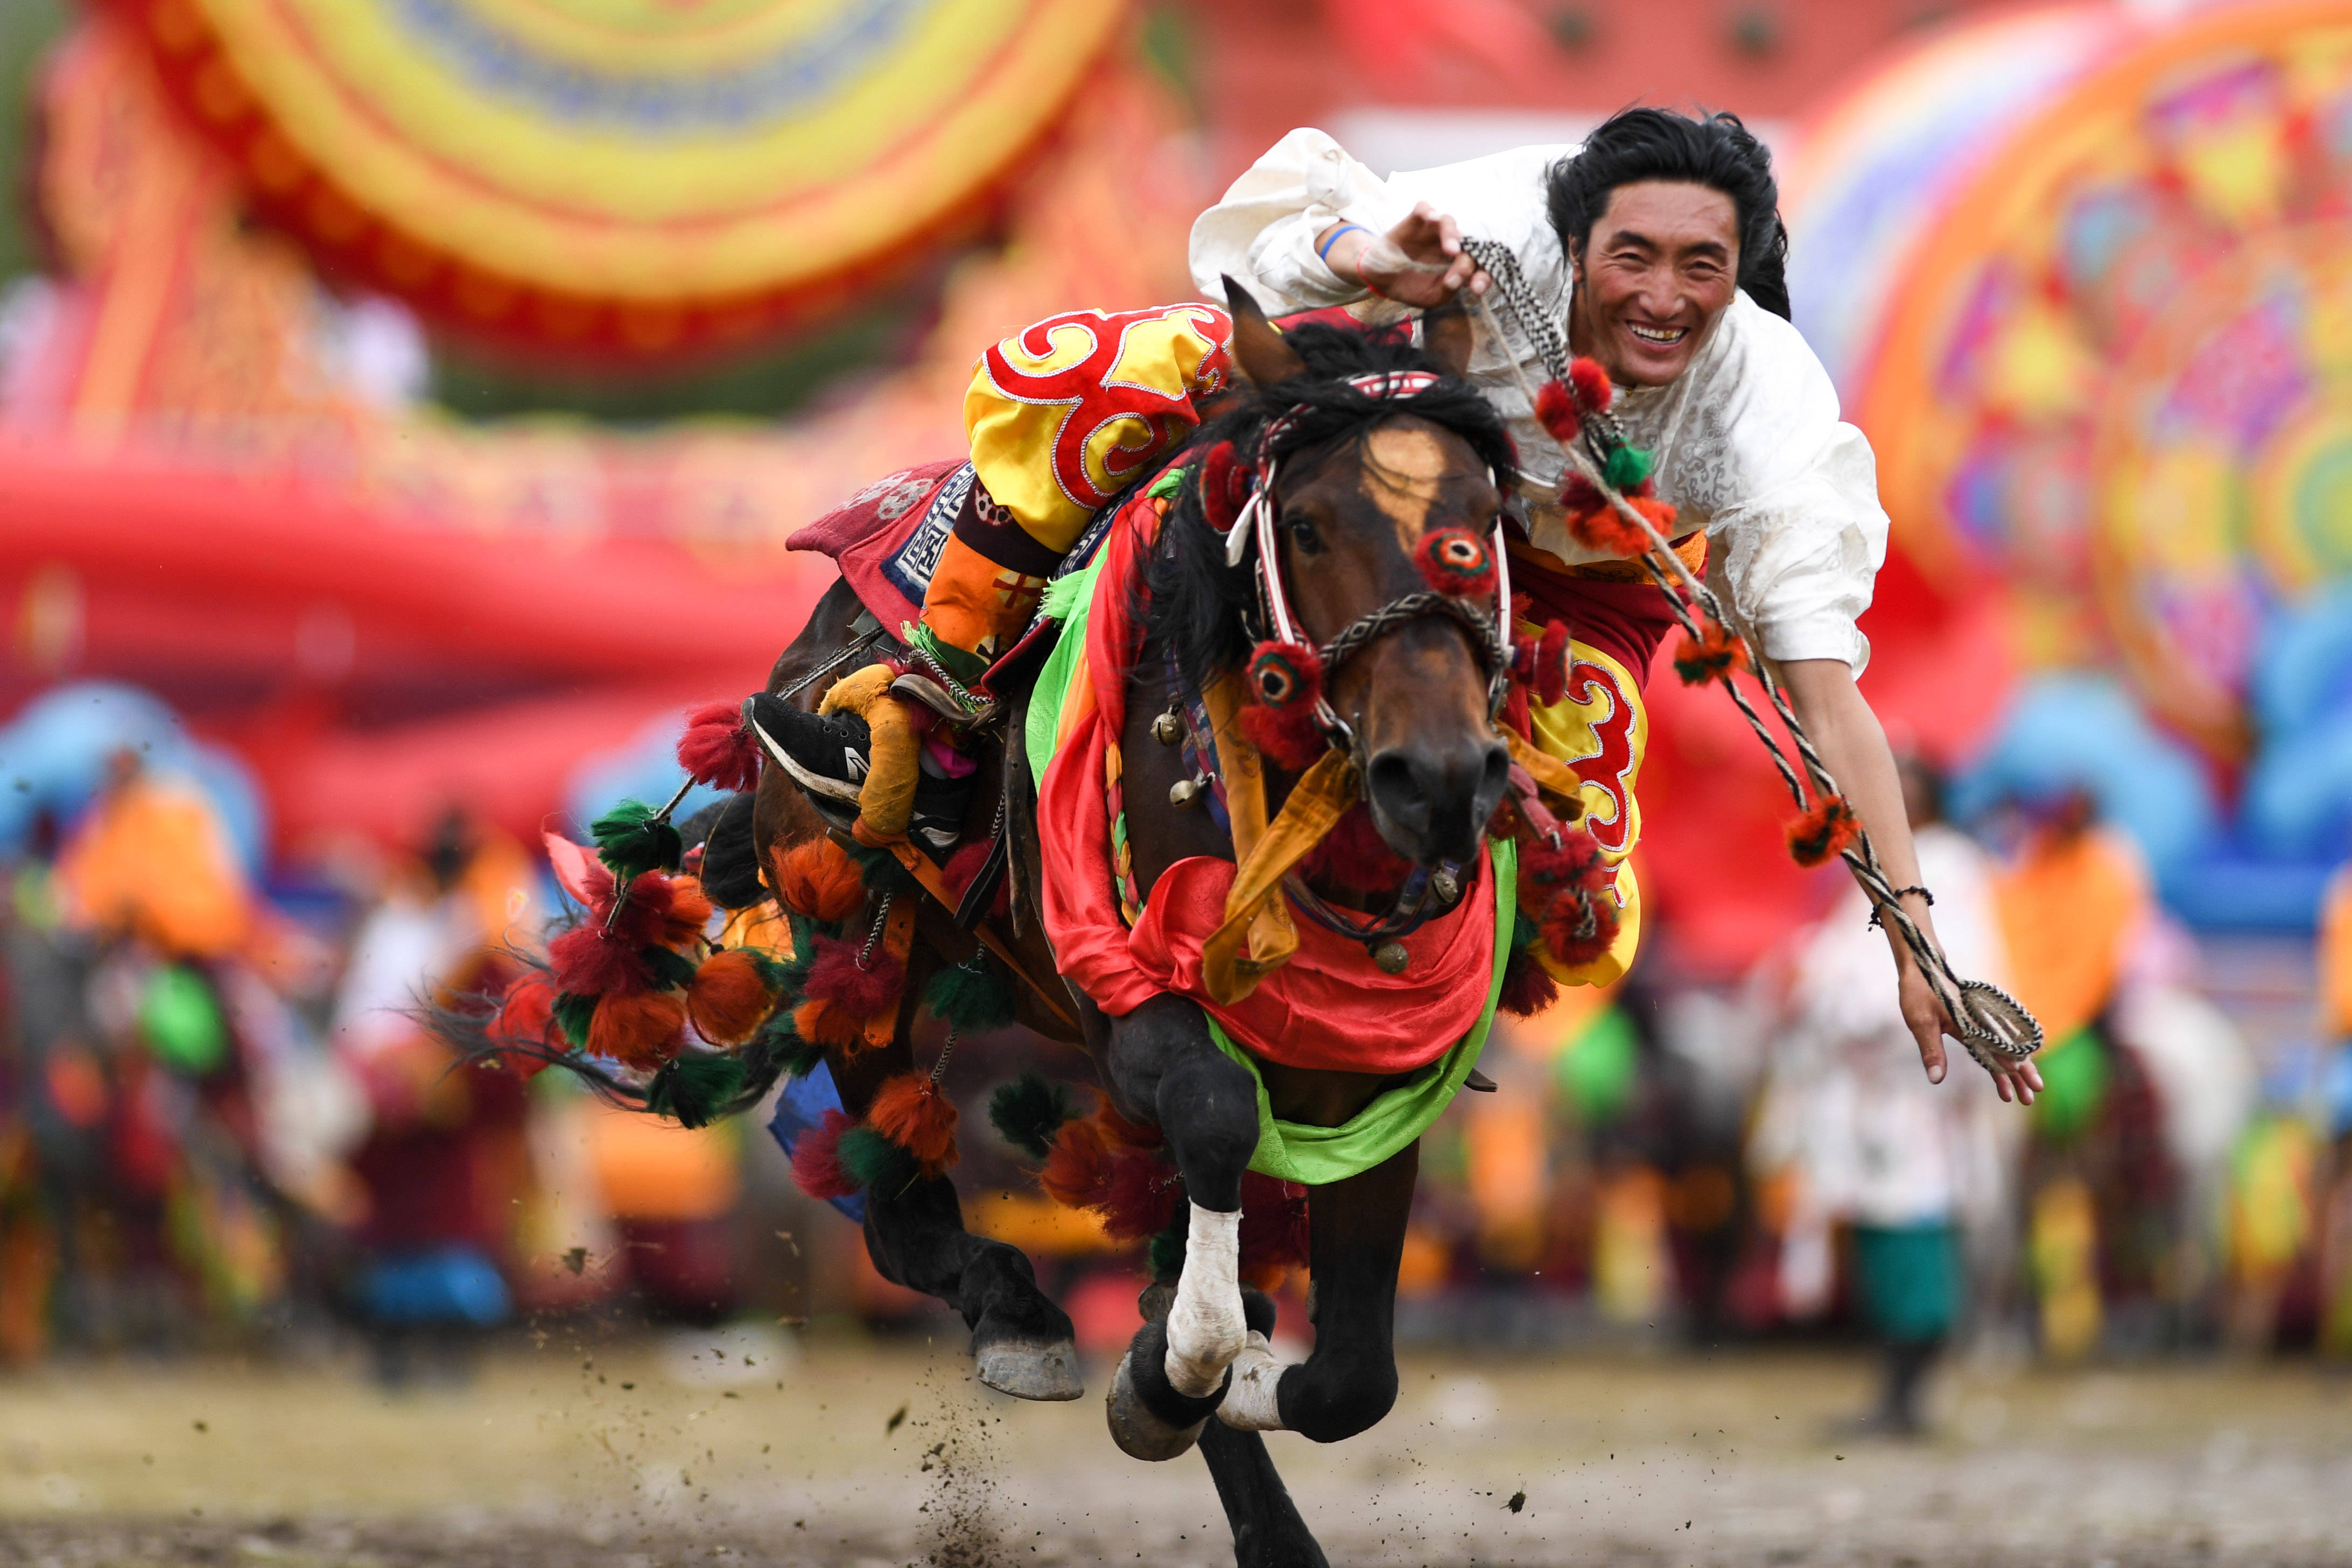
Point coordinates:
[(1658, 245)]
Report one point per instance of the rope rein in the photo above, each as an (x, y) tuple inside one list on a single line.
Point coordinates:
[(1996, 1030)]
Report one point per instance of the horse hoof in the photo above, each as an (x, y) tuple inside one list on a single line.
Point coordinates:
[(1138, 1432), (1031, 1369)]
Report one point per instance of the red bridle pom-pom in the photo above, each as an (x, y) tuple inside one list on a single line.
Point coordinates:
[(1556, 412), (1225, 482), (1456, 563), (1285, 675)]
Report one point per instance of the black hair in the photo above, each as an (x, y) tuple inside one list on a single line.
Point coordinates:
[(1195, 602), (1715, 150)]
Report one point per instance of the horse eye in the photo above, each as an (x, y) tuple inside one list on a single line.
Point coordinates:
[(1303, 535)]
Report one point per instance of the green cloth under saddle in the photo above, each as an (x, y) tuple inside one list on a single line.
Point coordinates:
[(1292, 1151)]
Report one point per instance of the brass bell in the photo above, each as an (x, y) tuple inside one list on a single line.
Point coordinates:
[(1391, 958), (1445, 886), (1168, 728), (1183, 793)]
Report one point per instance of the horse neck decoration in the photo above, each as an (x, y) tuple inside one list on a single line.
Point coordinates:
[(1343, 577)]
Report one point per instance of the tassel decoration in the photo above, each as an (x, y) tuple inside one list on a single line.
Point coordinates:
[(1274, 1235), (816, 1159), (1580, 926), (836, 977), (1225, 482), (643, 1031), (718, 749), (1578, 495), (1627, 468), (1590, 384), (633, 838), (1824, 832), (1602, 528), (971, 997), (574, 1016), (525, 1022), (590, 961), (1527, 986), (1555, 410), (817, 878), (911, 1112), (1454, 562), (1285, 675), (1716, 653), (830, 1028), (693, 1087), (1291, 738), (876, 1164), (1028, 1112), (729, 997)]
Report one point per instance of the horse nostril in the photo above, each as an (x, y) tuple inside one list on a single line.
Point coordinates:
[(1495, 777), (1393, 783)]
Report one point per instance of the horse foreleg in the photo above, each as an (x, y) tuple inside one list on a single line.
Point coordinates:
[(1350, 1381), (1161, 1062), (1021, 1344)]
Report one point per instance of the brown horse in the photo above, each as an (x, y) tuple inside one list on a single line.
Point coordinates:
[(1360, 480)]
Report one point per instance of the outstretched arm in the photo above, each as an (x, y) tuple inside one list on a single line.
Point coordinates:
[(1853, 748)]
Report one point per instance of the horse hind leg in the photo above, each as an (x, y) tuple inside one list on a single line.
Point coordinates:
[(1021, 1344)]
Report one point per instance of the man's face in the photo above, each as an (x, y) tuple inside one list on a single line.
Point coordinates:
[(1661, 265)]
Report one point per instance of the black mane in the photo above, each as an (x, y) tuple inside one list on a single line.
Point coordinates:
[(1195, 602)]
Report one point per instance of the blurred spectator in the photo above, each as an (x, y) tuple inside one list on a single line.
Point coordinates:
[(1870, 1143)]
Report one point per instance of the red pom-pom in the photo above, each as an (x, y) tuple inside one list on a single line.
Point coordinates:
[(1224, 486), (590, 961), (1456, 562), (817, 878), (963, 867), (1289, 737), (642, 1030), (1274, 1235), (1578, 495), (1077, 1166), (1556, 412), (1603, 528), (1140, 1196), (1549, 665), (836, 977), (1354, 858), (1528, 986), (1594, 392), (1580, 926), (816, 1159), (911, 1113), (730, 998), (1716, 650), (1545, 869), (1285, 675), (1824, 832), (525, 1022), (717, 748)]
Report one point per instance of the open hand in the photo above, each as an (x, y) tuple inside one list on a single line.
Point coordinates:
[(1925, 1015)]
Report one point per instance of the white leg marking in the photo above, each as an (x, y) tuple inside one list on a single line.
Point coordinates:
[(1205, 1324), (1249, 1404)]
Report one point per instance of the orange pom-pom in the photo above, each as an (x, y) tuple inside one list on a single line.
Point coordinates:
[(525, 1020), (817, 878), (1824, 832), (1556, 412), (688, 912), (835, 1029), (642, 1030), (1603, 528), (911, 1113), (730, 998), (1717, 651), (1077, 1166)]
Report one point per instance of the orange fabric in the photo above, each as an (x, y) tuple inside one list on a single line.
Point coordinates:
[(976, 604), (2336, 956), (1317, 802), (152, 861), (2067, 909)]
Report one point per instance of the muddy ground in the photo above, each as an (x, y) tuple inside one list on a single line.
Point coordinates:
[(712, 1448)]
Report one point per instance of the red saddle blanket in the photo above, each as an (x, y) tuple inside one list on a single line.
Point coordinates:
[(887, 539)]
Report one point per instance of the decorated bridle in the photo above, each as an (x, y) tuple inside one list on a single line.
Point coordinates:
[(1462, 570)]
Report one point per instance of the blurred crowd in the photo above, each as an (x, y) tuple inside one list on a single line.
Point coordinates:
[(222, 1121)]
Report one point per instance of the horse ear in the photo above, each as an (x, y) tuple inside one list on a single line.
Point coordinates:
[(1259, 353), (1446, 335)]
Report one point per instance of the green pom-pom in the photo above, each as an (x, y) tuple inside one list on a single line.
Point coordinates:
[(572, 1016), (883, 875), (695, 1087), (671, 971), (631, 839), (792, 973), (779, 1046), (1166, 1253), (877, 1163), (1028, 1112), (971, 997), (1628, 467)]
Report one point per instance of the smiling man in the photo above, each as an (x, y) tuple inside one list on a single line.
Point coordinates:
[(1657, 246)]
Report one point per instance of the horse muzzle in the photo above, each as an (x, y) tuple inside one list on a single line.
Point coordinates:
[(1431, 802)]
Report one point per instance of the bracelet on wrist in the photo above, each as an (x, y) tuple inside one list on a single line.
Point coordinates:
[(1901, 894), (1323, 250)]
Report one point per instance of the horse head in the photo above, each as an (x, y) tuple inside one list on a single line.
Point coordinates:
[(1357, 483)]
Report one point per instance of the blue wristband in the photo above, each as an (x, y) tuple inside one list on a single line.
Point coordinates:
[(1323, 251)]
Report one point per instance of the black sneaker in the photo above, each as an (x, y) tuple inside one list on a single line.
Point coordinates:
[(826, 756)]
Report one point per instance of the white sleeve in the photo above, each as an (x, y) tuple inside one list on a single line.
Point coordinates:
[(1797, 517), (1262, 230)]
